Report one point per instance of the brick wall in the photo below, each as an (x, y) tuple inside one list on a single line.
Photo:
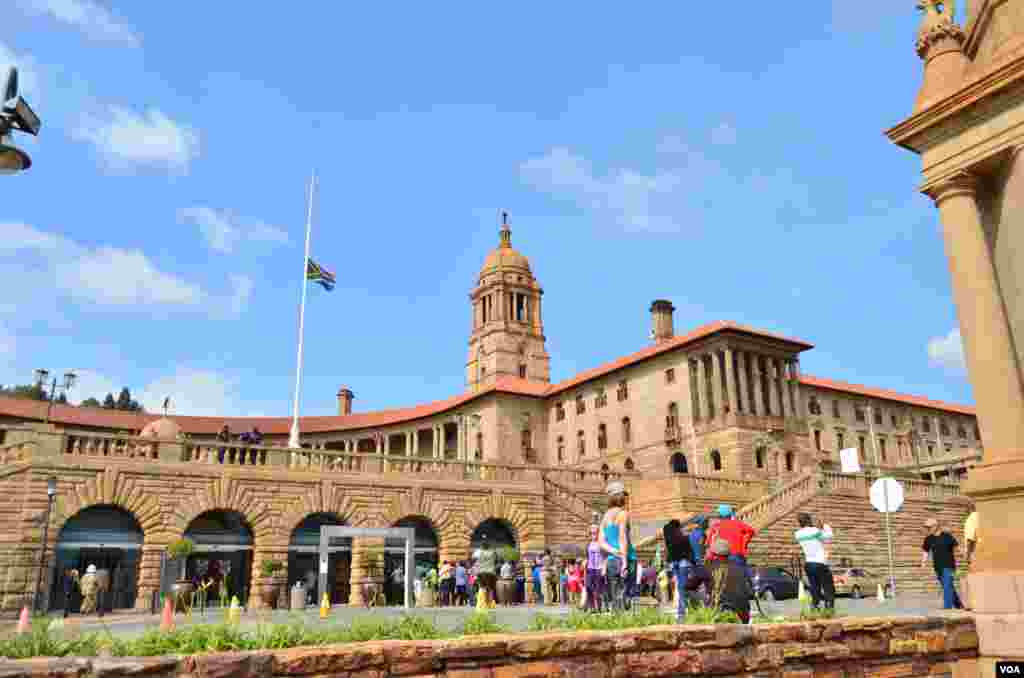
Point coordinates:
[(913, 647)]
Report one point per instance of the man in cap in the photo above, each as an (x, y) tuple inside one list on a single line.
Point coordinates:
[(90, 586), (725, 580), (613, 537), (941, 545), (736, 532)]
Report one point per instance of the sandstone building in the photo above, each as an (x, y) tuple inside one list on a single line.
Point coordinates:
[(720, 413)]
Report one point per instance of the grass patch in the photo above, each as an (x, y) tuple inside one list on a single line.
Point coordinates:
[(808, 613), (581, 621), (481, 623)]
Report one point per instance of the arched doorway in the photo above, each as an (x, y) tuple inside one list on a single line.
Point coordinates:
[(108, 537), (223, 553), (302, 558), (678, 463), (498, 532), (424, 553)]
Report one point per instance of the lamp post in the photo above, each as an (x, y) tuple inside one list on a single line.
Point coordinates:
[(15, 114), (65, 386), (51, 492)]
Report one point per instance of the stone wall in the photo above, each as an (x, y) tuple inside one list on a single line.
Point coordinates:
[(912, 647), (683, 494)]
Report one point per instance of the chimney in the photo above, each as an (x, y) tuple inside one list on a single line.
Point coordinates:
[(345, 397), (661, 320)]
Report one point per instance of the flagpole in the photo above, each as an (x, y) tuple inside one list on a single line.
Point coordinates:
[(293, 438)]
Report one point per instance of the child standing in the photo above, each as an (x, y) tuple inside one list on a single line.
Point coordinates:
[(595, 572)]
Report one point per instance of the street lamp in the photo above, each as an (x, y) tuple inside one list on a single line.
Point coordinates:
[(15, 114), (51, 492), (69, 382)]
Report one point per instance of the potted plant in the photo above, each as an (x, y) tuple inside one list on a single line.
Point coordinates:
[(180, 550), (428, 593), (271, 582)]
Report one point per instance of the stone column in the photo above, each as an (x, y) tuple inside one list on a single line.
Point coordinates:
[(702, 389), (757, 407), (730, 382), (261, 553), (798, 401), (997, 483), (149, 573), (460, 443), (367, 566), (779, 386), (742, 388), (716, 385)]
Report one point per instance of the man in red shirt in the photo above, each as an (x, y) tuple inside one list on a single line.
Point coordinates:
[(734, 531)]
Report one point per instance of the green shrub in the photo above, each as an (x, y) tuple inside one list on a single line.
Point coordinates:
[(808, 613), (700, 614), (182, 548), (480, 623), (269, 568)]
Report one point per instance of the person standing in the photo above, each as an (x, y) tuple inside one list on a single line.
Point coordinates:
[(941, 545), (680, 558), (594, 581), (487, 572), (971, 539), (815, 543), (461, 580), (225, 437), (725, 580), (90, 587), (614, 539)]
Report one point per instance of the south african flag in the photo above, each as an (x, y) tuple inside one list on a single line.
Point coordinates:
[(318, 273)]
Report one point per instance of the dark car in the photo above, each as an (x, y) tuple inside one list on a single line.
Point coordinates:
[(775, 583)]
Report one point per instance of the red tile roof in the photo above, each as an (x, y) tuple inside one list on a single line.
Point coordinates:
[(88, 417), (885, 394)]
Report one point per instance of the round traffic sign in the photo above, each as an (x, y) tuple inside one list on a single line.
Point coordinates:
[(886, 495)]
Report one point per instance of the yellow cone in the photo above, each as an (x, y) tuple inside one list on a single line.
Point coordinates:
[(881, 594), (235, 611), (325, 606)]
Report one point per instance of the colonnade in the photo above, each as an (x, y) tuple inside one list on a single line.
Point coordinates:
[(726, 381)]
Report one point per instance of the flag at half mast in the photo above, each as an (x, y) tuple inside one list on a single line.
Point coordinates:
[(319, 274)]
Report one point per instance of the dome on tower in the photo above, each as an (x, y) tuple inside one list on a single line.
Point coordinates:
[(162, 429), (504, 256)]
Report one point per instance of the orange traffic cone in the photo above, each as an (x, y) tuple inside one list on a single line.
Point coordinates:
[(23, 621), (167, 617)]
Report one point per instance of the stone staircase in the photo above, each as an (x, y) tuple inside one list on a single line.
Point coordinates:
[(776, 505), (568, 500)]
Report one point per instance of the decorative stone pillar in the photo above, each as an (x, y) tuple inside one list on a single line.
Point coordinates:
[(757, 407), (367, 567), (716, 385), (742, 388), (702, 390), (150, 560), (730, 382), (779, 386), (798, 400), (261, 553), (997, 483)]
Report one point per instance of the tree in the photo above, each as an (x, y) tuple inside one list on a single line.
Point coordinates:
[(33, 391), (90, 402), (108, 402)]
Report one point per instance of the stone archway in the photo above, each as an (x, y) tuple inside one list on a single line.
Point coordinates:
[(452, 537), (496, 505), (303, 547), (224, 541)]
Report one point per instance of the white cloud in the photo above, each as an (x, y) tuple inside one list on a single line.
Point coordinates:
[(223, 230), (723, 135), (125, 138), (948, 352), (88, 16), (193, 392), (108, 276), (90, 384)]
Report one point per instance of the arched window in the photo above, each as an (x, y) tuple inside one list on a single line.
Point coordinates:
[(560, 446), (522, 371), (716, 460), (678, 463), (479, 446), (817, 440), (627, 433), (581, 444), (759, 457), (629, 465), (602, 437), (813, 406), (673, 416), (789, 461)]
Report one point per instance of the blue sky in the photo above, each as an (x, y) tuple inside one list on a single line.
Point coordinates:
[(726, 156)]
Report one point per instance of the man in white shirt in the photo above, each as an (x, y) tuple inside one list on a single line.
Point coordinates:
[(816, 542)]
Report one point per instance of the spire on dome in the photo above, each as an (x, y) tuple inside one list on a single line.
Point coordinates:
[(506, 232)]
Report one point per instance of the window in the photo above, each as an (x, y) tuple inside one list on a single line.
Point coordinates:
[(977, 433), (527, 440), (559, 411), (899, 448), (943, 427), (629, 465), (895, 418), (522, 371), (931, 450), (670, 376), (817, 441), (561, 449), (581, 405), (858, 412), (672, 420), (926, 424), (881, 449), (759, 457), (677, 462), (716, 460), (627, 433), (789, 461), (835, 409), (860, 445), (622, 393), (813, 406), (581, 444), (479, 446), (601, 400), (961, 431), (602, 437), (839, 440), (878, 416)]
